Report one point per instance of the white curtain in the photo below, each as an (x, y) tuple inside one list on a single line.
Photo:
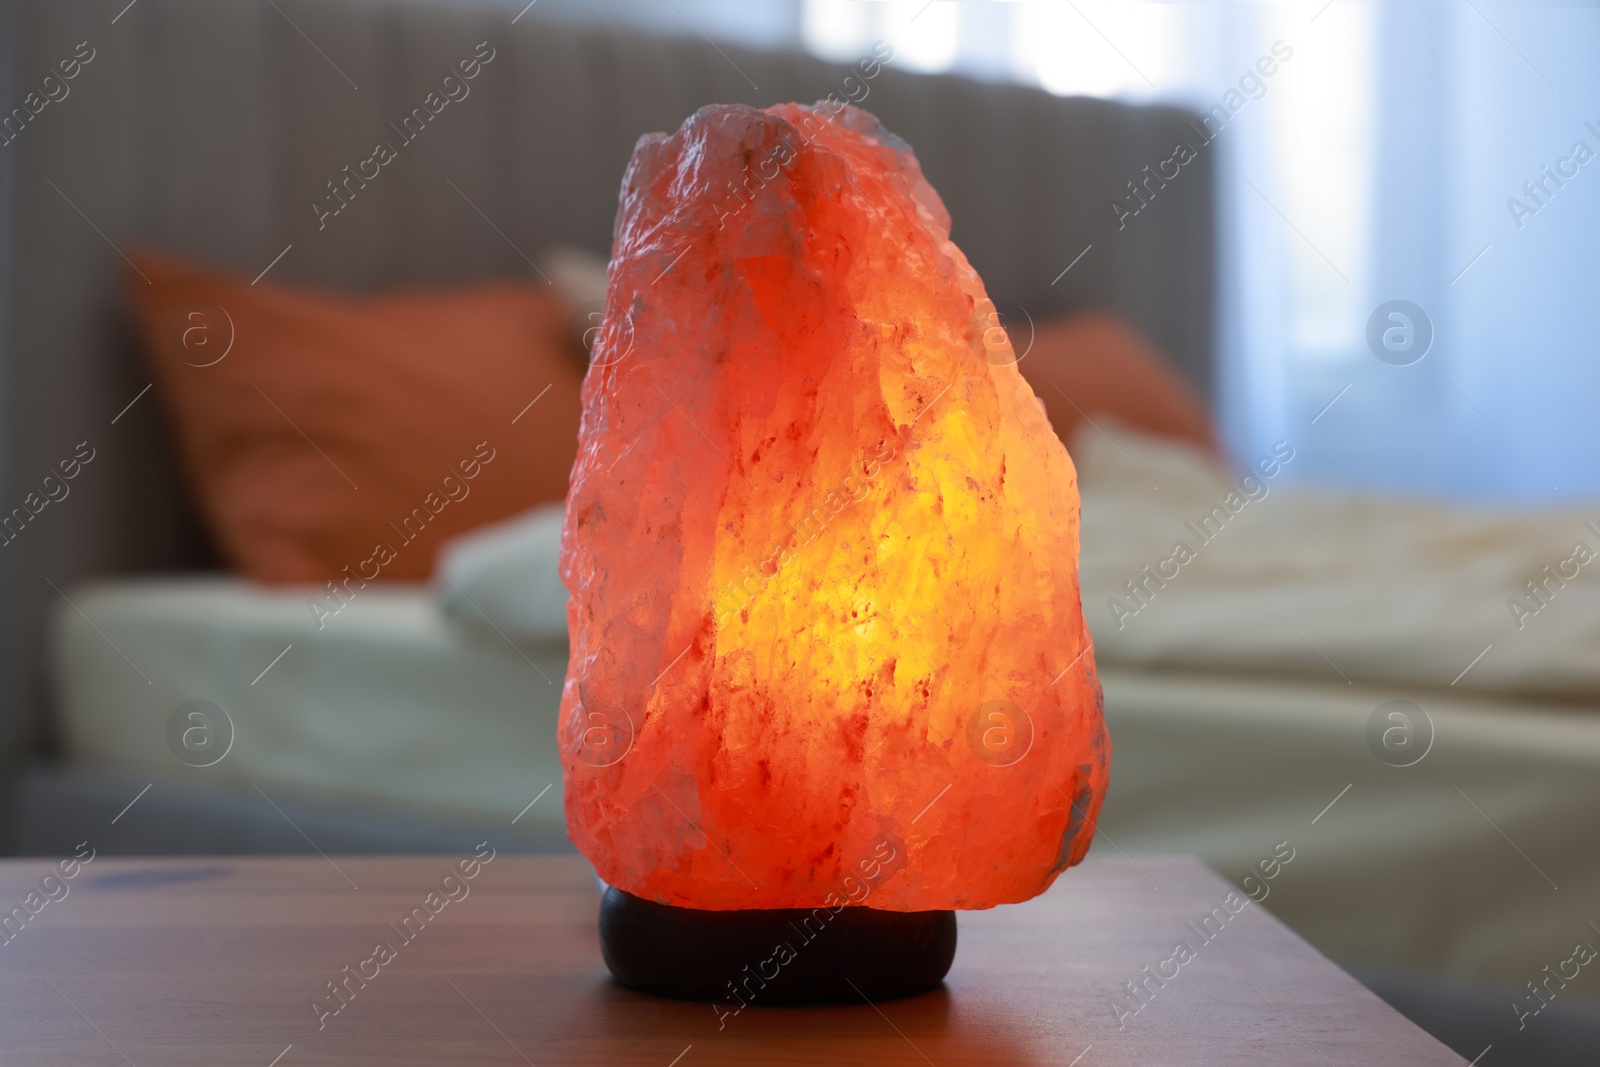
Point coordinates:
[(1381, 161), (1456, 105)]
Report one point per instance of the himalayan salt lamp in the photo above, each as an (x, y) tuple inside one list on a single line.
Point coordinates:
[(829, 677)]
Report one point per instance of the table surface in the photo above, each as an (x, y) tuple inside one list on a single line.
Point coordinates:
[(219, 961)]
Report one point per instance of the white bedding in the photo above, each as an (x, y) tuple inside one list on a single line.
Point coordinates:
[(501, 580), (1328, 586), (388, 702), (1346, 586), (1231, 731)]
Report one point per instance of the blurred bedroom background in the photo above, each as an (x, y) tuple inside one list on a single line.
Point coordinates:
[(1308, 289), (1380, 167)]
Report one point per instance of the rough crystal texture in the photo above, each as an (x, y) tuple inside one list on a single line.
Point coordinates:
[(822, 546)]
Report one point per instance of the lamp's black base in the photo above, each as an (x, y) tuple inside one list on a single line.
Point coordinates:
[(779, 956)]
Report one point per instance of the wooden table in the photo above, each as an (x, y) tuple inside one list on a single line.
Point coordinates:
[(218, 962)]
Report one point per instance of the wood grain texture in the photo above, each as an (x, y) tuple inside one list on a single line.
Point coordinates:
[(218, 962)]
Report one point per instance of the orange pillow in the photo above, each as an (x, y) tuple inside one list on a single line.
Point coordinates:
[(1094, 364), (327, 436)]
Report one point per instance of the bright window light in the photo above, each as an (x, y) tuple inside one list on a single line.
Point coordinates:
[(1105, 48), (1319, 117), (837, 30), (924, 34)]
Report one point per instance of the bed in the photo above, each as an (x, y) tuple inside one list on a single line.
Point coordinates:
[(220, 177), (225, 175), (1468, 854)]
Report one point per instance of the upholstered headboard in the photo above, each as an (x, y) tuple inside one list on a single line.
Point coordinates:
[(211, 127)]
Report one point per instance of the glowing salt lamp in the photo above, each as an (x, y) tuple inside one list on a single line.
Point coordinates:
[(829, 677)]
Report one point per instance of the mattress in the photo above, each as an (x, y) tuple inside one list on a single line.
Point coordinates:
[(387, 703), (1475, 862)]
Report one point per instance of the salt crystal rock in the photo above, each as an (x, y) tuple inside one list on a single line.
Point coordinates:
[(822, 545)]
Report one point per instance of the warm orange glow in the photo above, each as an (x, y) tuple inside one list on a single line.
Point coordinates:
[(822, 545)]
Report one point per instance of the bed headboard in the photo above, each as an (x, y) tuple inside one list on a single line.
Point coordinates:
[(210, 127)]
